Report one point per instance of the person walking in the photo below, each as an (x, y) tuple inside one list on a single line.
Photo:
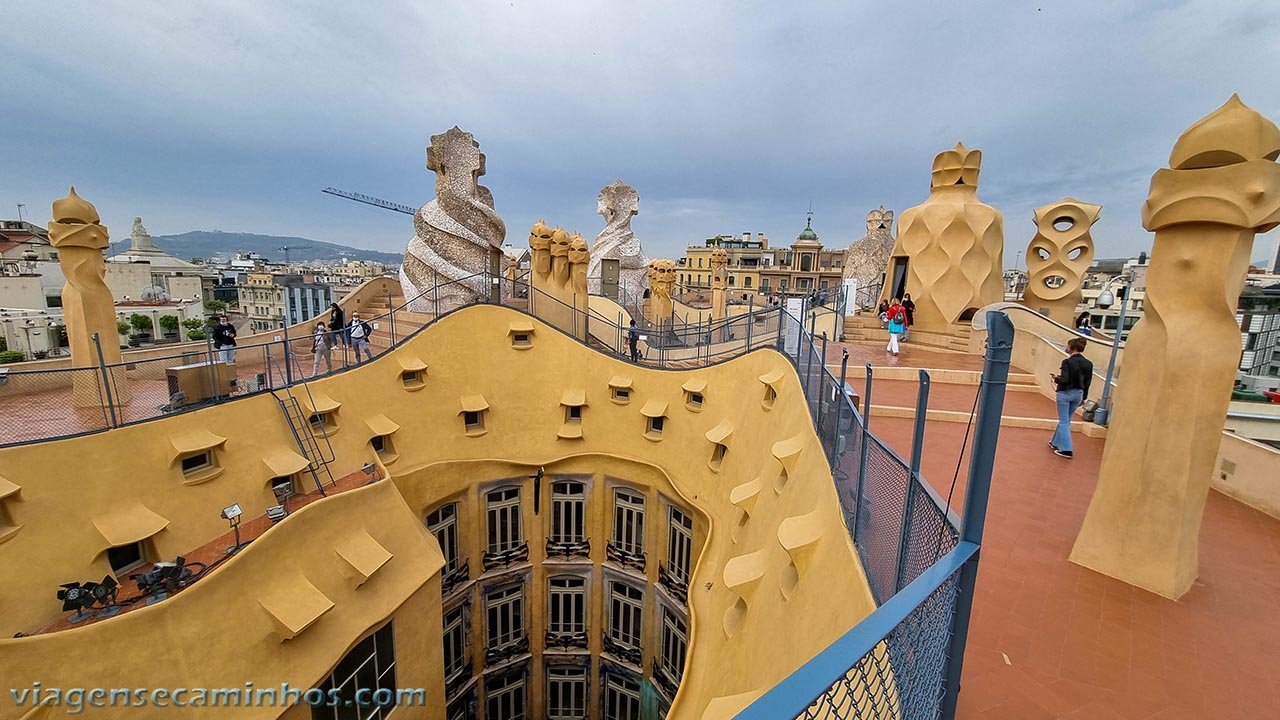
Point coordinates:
[(338, 321), (1072, 383), (360, 331), (1084, 324), (224, 340), (897, 318), (322, 343), (633, 340), (910, 308)]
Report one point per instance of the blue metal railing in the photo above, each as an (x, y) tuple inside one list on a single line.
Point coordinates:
[(905, 659)]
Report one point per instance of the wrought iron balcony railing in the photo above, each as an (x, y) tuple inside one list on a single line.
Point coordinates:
[(501, 653), (664, 681), (579, 548), (625, 558), (450, 581), (566, 640), (503, 558), (678, 588), (623, 651), (457, 679)]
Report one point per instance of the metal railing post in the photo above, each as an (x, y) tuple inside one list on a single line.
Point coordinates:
[(213, 371), (822, 373), (781, 341), (995, 375), (862, 459), (840, 401), (391, 318), (913, 480), (288, 366), (106, 382)]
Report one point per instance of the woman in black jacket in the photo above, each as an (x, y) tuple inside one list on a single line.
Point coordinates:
[(338, 322)]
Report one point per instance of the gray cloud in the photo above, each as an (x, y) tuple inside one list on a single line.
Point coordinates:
[(727, 116)]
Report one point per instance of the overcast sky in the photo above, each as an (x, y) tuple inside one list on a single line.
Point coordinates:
[(726, 116)]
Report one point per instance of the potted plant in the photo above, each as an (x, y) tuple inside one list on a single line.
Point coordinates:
[(10, 356), (169, 324), (195, 328), (141, 325)]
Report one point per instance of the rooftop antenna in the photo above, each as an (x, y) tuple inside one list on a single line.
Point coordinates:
[(20, 206), (809, 222)]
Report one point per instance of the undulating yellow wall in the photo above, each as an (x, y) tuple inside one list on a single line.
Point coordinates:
[(777, 579)]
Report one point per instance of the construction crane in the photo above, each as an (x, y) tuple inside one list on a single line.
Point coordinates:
[(370, 200), (287, 248)]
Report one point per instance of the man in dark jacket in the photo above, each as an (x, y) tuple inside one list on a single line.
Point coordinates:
[(633, 339), (1072, 382), (224, 339)]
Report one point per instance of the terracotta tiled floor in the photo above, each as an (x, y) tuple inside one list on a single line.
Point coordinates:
[(215, 550), (1051, 639), (943, 396)]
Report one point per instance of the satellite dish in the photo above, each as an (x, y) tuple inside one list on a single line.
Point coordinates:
[(155, 293)]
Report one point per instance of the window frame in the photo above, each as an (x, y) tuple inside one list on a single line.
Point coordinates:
[(383, 637)]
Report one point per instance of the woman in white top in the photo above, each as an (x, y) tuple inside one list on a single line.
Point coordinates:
[(321, 347)]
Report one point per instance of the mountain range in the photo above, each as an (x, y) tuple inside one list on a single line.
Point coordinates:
[(215, 243)]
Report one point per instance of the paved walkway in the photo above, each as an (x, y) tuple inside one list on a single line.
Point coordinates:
[(1051, 639)]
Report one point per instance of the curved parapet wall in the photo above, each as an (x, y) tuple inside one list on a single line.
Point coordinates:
[(768, 560), (1040, 343)]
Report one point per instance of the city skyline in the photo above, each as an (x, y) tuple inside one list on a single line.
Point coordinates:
[(722, 124)]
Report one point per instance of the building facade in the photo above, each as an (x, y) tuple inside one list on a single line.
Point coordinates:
[(746, 254), (803, 268), (266, 299)]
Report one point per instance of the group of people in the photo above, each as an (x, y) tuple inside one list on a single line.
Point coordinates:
[(897, 316), (327, 336), (354, 334)]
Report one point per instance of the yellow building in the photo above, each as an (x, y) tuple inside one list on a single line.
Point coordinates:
[(745, 258), (561, 546)]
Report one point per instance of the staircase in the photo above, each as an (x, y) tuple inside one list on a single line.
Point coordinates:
[(865, 327), (318, 456), (406, 322)]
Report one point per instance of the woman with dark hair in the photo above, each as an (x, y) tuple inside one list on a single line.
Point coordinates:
[(1084, 324), (910, 309), (338, 321)]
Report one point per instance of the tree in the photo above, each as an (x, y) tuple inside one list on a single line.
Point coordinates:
[(140, 323), (122, 327), (215, 306), (193, 324), (169, 323)]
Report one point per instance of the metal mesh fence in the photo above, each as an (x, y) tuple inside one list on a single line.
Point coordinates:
[(37, 404), (902, 676)]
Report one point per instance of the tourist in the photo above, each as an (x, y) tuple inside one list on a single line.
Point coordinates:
[(910, 308), (1072, 382), (359, 332), (633, 339), (884, 314), (322, 343), (897, 318), (1084, 324), (338, 321), (224, 340)]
